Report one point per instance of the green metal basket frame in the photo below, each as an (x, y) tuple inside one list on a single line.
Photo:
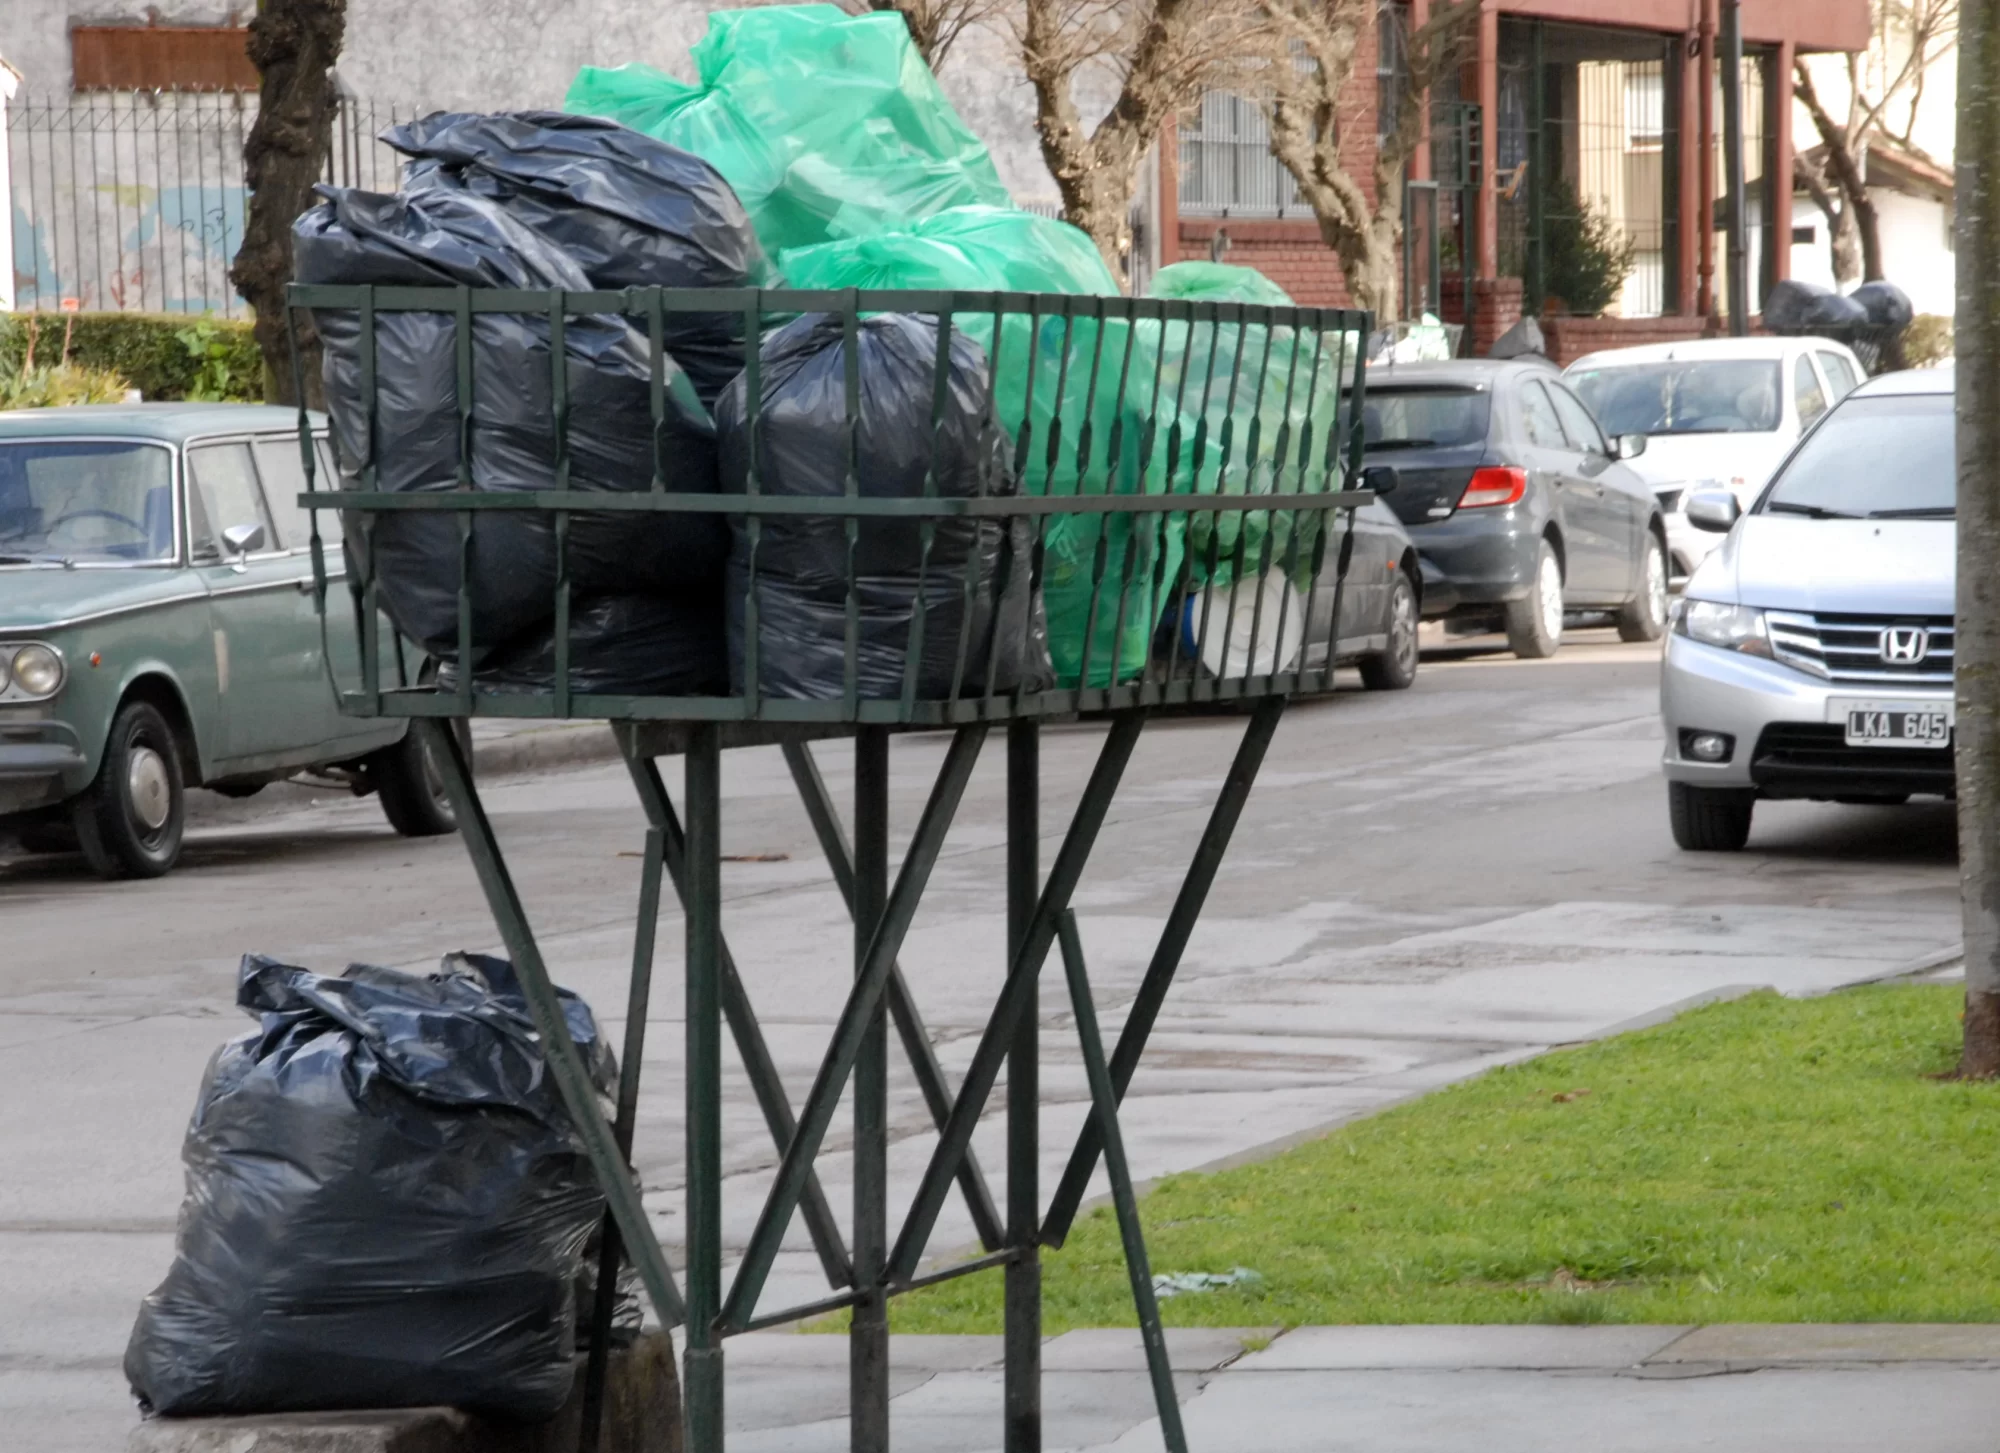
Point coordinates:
[(868, 1266)]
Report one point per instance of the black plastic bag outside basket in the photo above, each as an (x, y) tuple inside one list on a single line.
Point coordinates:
[(631, 211), (387, 1203), (441, 237), (619, 645), (975, 583)]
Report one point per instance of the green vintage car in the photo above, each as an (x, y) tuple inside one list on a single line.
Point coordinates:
[(158, 632)]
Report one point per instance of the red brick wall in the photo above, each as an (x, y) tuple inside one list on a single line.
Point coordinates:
[(1290, 254), (1570, 338)]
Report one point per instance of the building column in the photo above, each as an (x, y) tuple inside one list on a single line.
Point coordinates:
[(1488, 62), (1169, 209), (1778, 178), (1705, 163), (1419, 169), (1687, 231)]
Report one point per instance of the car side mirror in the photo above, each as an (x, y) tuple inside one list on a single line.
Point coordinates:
[(1380, 478), (240, 540), (1714, 510), (1628, 446)]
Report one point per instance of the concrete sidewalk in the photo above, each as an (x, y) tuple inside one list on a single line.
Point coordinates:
[(1535, 1389)]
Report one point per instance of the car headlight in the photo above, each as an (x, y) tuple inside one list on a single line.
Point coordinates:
[(37, 671), (1732, 627)]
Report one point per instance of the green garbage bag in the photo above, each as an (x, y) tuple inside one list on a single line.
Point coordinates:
[(1052, 375), (826, 124), (1257, 406), (975, 249)]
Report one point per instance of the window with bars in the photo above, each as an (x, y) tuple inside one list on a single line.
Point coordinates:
[(1226, 166)]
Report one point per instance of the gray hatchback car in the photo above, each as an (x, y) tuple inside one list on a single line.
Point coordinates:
[(1519, 506)]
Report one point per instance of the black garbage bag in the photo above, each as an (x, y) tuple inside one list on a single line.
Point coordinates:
[(387, 1203), (438, 237), (1834, 315), (631, 210), (619, 645), (1790, 305), (974, 586), (1886, 305)]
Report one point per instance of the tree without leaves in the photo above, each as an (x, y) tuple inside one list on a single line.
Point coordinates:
[(1304, 81), (293, 44), (935, 25), (1163, 54), (1927, 29), (1977, 661)]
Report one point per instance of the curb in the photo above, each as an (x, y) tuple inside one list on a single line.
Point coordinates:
[(541, 749)]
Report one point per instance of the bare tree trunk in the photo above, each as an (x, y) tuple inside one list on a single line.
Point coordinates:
[(1977, 331), (1843, 242), (1842, 162), (293, 44)]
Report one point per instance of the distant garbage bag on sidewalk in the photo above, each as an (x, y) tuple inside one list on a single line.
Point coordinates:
[(438, 237), (941, 608), (631, 211), (387, 1203), (826, 124), (619, 645)]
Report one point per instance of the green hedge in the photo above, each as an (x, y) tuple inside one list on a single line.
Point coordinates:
[(163, 355)]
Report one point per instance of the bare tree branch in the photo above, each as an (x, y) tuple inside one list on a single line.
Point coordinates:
[(1163, 53), (935, 25), (1304, 78)]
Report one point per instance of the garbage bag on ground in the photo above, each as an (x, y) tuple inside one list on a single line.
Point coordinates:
[(387, 1203), (1216, 282), (1886, 305), (631, 210), (436, 237), (1793, 308), (967, 591), (826, 124), (619, 645)]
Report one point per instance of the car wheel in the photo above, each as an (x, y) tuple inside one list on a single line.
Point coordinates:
[(129, 822), (411, 787), (1644, 617), (1710, 819), (1535, 622), (1395, 668)]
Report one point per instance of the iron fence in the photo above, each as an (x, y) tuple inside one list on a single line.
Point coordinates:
[(135, 200)]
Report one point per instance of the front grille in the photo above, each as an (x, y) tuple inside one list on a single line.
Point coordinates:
[(1812, 759), (1850, 647)]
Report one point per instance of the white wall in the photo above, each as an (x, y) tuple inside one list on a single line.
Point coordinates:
[(1914, 251), (506, 54)]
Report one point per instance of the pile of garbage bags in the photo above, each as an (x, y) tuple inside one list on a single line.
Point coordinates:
[(815, 150), (1868, 320), (388, 1204)]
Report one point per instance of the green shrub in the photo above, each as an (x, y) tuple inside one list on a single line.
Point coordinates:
[(49, 385), (1586, 255), (163, 355)]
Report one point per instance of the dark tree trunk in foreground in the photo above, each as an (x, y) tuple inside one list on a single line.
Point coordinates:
[(1978, 659), (293, 44)]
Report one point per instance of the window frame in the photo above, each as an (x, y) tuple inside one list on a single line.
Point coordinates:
[(274, 546)]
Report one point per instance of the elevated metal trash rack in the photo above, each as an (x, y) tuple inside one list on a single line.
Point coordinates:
[(1276, 459)]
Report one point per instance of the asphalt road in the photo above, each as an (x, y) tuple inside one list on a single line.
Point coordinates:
[(1424, 883)]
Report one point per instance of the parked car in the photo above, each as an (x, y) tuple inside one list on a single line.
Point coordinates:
[(1811, 654), (158, 631), (1519, 506), (1717, 413)]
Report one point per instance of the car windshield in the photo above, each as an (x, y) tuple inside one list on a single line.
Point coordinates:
[(85, 501), (1876, 458), (1705, 396), (1427, 418)]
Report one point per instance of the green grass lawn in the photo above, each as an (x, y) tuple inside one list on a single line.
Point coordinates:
[(1766, 1160)]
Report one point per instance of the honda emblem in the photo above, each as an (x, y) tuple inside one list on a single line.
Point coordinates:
[(1904, 645)]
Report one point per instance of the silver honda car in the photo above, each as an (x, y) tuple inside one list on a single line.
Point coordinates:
[(1811, 654)]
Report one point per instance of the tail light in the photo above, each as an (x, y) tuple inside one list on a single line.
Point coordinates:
[(1494, 485)]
